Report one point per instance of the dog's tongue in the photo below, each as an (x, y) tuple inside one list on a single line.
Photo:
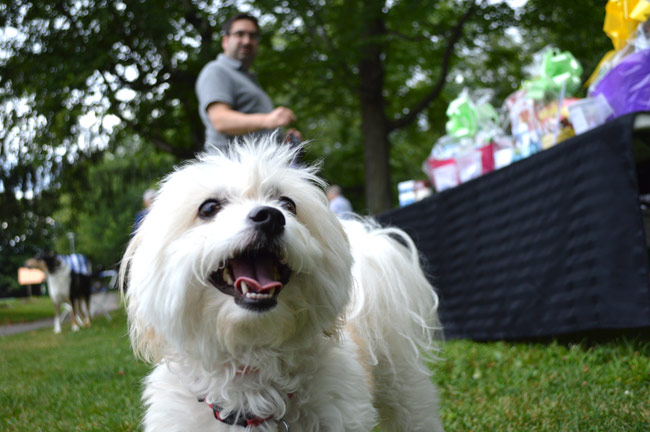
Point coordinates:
[(258, 273)]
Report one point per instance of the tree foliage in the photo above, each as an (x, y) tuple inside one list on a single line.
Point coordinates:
[(382, 63), (137, 61), (24, 225), (102, 198), (575, 26)]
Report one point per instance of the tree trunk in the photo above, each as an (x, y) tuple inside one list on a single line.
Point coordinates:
[(374, 123), (376, 156)]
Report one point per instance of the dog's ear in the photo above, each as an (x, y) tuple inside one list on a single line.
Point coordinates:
[(146, 343), (125, 263)]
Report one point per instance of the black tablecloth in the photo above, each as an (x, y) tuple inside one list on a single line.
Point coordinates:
[(549, 245)]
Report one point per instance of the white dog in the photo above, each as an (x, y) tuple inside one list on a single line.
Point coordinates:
[(264, 313)]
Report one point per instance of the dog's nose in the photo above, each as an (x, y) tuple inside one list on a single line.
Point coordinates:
[(267, 219)]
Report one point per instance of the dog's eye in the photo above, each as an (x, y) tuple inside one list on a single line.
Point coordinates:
[(288, 204), (209, 208)]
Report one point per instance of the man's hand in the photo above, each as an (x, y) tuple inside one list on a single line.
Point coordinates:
[(293, 136), (279, 117), (231, 122)]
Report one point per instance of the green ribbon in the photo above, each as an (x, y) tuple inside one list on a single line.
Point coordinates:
[(557, 69), (466, 119)]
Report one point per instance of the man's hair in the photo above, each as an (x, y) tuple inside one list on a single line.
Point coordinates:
[(237, 17)]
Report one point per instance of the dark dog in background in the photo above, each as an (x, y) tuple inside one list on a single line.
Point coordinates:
[(68, 279)]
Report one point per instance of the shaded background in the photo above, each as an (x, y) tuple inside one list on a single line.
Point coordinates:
[(98, 97)]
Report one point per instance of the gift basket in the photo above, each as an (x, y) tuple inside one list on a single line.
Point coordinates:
[(620, 84), (545, 110), (468, 149)]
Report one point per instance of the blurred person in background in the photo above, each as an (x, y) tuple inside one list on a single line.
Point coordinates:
[(338, 203), (147, 199)]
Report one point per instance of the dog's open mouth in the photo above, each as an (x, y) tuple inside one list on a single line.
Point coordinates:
[(254, 279)]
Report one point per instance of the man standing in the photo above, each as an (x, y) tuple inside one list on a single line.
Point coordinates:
[(231, 101)]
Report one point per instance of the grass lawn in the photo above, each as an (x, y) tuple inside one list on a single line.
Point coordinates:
[(89, 381), (84, 381), (18, 310), (546, 387)]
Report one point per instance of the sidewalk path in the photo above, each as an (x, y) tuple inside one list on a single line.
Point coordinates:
[(100, 305)]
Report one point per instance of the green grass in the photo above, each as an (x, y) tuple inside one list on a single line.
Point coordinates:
[(546, 387), (84, 381), (89, 381), (18, 310)]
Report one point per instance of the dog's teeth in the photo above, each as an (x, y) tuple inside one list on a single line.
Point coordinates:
[(258, 296), (283, 258), (244, 288), (271, 292), (226, 276)]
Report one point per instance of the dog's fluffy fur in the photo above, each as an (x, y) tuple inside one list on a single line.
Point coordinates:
[(342, 347), (65, 287)]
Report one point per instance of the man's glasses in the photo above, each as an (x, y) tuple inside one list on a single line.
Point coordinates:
[(241, 34)]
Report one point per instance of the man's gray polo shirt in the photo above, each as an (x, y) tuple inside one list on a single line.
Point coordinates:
[(226, 80)]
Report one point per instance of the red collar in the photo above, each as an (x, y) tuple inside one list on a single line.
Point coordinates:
[(246, 370), (243, 420)]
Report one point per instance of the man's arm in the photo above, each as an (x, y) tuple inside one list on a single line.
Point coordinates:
[(230, 122)]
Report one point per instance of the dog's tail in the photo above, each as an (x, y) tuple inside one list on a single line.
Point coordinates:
[(394, 307)]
